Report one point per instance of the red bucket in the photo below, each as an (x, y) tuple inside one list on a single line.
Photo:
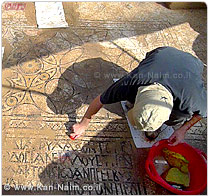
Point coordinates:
[(197, 167)]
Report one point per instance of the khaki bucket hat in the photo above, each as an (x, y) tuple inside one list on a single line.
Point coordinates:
[(153, 106)]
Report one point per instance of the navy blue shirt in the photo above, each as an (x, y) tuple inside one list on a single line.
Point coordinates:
[(180, 72)]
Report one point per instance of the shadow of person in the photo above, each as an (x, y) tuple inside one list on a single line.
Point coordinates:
[(199, 49), (111, 165), (106, 164), (105, 160), (80, 83)]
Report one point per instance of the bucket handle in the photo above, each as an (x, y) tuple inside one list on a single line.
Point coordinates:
[(202, 154)]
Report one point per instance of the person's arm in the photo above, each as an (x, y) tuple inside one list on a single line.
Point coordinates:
[(179, 134), (93, 108), (80, 128), (115, 93)]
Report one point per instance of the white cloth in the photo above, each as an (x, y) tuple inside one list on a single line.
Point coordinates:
[(50, 15)]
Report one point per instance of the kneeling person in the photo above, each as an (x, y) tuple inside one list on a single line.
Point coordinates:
[(166, 87)]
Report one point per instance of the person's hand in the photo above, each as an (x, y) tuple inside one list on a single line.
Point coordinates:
[(77, 130), (177, 137)]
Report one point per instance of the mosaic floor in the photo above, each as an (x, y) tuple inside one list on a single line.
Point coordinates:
[(50, 76)]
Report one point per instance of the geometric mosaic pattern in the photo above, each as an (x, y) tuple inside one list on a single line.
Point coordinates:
[(50, 77)]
